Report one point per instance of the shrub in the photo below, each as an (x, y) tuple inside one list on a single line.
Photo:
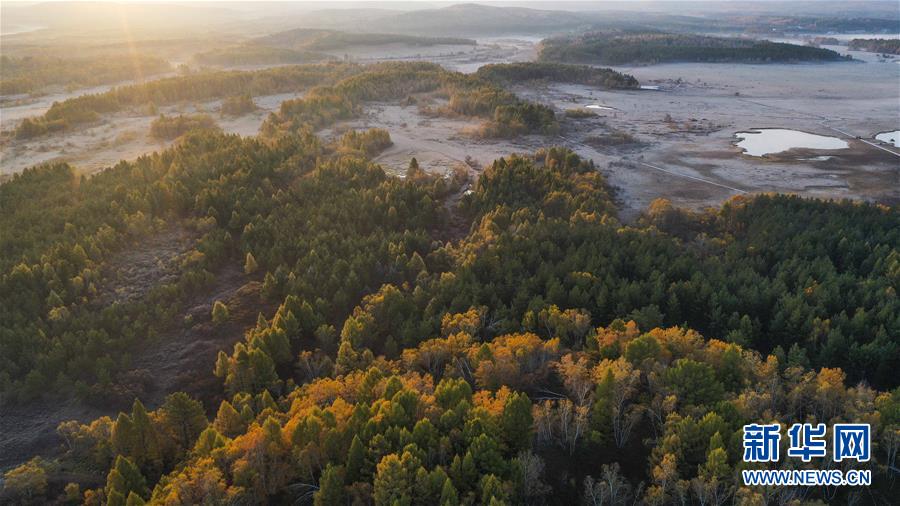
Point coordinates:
[(171, 127)]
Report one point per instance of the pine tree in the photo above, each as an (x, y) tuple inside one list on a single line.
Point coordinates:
[(209, 440), (392, 483), (147, 451), (123, 436), (601, 417), (250, 265), (413, 171), (54, 300), (184, 418), (123, 480), (356, 460), (517, 421), (449, 497), (115, 498), (134, 500), (219, 312), (331, 487), (716, 465), (491, 488), (228, 421)]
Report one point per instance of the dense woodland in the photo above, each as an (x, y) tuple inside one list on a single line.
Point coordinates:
[(508, 73), (623, 48), (256, 54), (517, 361), (310, 39), (547, 354), (31, 74), (885, 46)]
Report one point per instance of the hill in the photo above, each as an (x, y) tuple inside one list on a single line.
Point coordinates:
[(470, 19), (549, 355), (324, 40), (623, 48)]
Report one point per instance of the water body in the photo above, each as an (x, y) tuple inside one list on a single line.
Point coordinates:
[(649, 87), (764, 141), (892, 137), (601, 107)]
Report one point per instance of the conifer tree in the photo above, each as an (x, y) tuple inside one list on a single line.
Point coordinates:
[(219, 312), (356, 460), (331, 487), (250, 265), (449, 497), (184, 418), (228, 421), (123, 480)]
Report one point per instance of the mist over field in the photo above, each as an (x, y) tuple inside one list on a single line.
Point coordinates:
[(446, 253)]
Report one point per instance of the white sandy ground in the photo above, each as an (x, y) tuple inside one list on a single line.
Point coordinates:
[(835, 99), (15, 108), (691, 160), (123, 136), (438, 143)]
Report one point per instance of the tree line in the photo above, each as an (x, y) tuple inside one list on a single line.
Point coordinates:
[(885, 46), (256, 54), (343, 87), (193, 87), (507, 73), (505, 114), (33, 73), (311, 39), (624, 48)]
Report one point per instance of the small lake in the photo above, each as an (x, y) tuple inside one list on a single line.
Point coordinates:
[(892, 138), (600, 107), (764, 141)]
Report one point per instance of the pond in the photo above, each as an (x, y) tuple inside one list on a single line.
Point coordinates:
[(892, 137), (763, 141), (600, 107)]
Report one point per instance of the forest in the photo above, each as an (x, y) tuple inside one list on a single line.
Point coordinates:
[(605, 78), (337, 90), (502, 112), (885, 46), (625, 47), (550, 354), (256, 54), (195, 86), (309, 39), (35, 73)]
